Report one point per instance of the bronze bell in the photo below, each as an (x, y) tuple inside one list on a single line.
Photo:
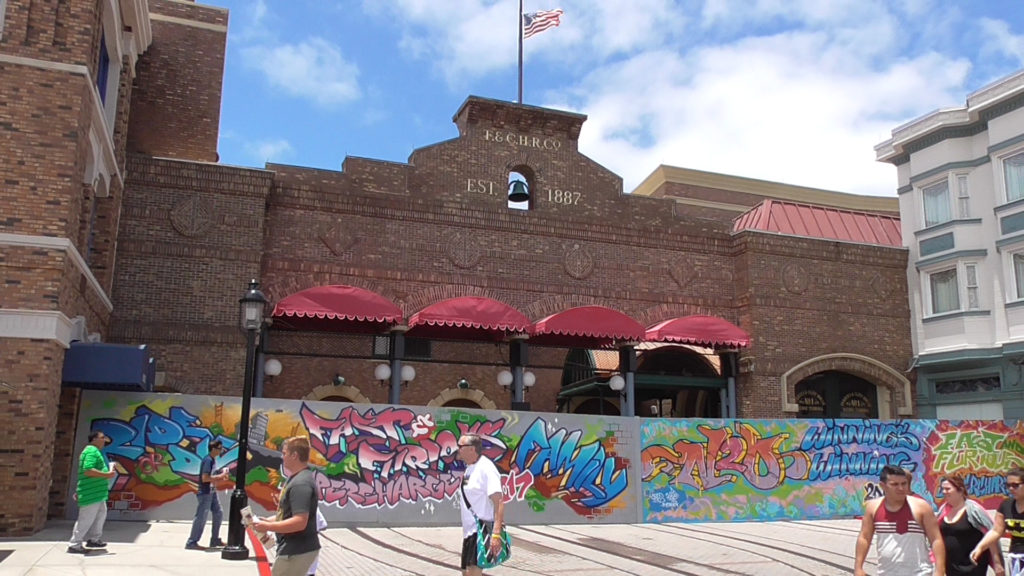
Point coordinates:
[(518, 191)]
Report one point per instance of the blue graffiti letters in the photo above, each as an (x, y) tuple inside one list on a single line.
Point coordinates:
[(888, 435), (585, 469), (177, 433), (826, 465), (859, 448)]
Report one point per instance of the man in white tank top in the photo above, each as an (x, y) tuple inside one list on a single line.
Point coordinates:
[(902, 527)]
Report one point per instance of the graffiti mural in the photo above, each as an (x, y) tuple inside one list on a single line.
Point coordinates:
[(977, 450), (391, 464), (726, 470), (397, 465)]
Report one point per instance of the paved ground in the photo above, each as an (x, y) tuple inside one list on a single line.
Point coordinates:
[(761, 549)]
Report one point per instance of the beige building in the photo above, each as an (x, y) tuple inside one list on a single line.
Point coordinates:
[(961, 193)]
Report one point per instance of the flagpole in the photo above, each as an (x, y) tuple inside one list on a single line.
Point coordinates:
[(520, 51)]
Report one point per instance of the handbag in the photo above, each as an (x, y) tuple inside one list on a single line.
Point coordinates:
[(484, 557)]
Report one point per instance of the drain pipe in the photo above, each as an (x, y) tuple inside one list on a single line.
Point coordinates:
[(731, 383)]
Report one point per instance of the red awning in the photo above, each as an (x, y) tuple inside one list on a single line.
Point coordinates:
[(336, 308), (586, 326), (706, 331), (467, 317)]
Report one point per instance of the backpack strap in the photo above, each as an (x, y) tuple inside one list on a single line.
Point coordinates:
[(462, 488)]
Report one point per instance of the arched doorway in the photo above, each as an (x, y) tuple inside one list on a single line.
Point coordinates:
[(335, 398), (461, 403), (892, 389), (463, 398), (599, 406), (579, 367), (835, 394), (332, 393), (585, 389), (679, 381)]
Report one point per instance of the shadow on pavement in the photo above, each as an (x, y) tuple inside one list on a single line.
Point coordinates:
[(60, 531)]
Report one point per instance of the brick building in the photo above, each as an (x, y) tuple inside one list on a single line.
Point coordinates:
[(131, 178), (66, 74)]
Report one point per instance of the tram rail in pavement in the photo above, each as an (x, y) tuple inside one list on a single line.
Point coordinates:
[(798, 548)]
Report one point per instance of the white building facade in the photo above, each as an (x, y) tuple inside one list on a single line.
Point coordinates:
[(961, 196)]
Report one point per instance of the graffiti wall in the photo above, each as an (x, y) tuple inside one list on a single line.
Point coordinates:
[(373, 463), (397, 465), (733, 470)]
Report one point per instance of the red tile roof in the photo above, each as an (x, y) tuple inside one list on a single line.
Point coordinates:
[(821, 222)]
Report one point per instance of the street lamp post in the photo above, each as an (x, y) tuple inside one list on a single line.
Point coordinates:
[(251, 308)]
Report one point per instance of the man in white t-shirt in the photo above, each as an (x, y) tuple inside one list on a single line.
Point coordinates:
[(481, 490)]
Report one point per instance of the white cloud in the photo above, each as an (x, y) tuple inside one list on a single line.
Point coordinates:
[(462, 39), (269, 150), (798, 91), (468, 39), (999, 39), (788, 108), (313, 69)]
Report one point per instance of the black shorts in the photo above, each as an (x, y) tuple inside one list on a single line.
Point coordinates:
[(469, 551)]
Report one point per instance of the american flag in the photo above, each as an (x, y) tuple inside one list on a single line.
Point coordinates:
[(537, 22)]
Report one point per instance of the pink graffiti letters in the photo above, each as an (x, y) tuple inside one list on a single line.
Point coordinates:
[(330, 437), (422, 426), (587, 473), (723, 457), (380, 493), (515, 484), (401, 456)]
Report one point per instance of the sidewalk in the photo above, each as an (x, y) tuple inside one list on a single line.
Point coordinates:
[(819, 548), (132, 548)]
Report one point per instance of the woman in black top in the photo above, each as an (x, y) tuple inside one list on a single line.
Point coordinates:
[(1009, 519), (963, 523)]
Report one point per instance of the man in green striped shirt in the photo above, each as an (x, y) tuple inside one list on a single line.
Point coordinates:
[(91, 494)]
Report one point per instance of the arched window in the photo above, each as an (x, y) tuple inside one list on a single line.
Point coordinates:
[(834, 394), (521, 194)]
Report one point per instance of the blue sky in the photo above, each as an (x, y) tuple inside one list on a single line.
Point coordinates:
[(795, 91)]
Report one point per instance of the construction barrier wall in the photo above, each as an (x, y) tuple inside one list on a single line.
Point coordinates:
[(396, 465)]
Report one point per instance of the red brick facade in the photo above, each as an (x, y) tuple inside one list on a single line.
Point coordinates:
[(173, 248), (425, 231)]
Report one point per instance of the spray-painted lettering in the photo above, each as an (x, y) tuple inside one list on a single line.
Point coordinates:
[(381, 493), (888, 435), (132, 441), (382, 446), (589, 475), (722, 456), (963, 451)]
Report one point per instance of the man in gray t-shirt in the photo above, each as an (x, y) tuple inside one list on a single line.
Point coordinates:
[(297, 541)]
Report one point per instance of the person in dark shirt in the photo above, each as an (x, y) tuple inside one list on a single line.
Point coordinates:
[(206, 496), (1009, 520), (298, 544), (963, 523)]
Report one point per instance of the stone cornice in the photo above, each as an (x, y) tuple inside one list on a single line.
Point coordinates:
[(36, 324), (996, 99), (664, 175), (187, 22)]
